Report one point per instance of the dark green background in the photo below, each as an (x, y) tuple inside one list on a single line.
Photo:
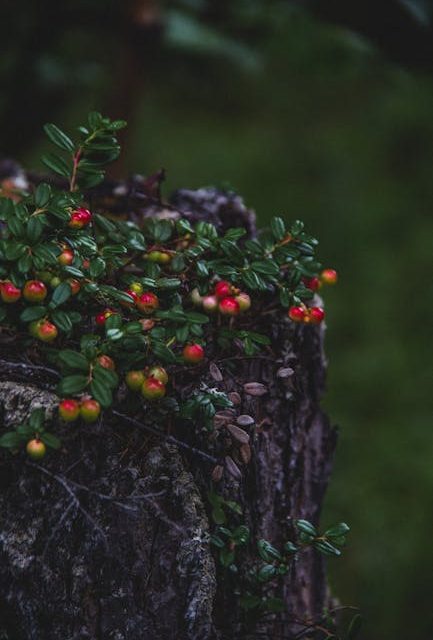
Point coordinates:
[(310, 121)]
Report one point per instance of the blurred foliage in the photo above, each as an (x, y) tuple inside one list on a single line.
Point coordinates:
[(308, 120)]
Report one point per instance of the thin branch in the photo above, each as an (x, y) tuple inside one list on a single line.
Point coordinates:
[(166, 437), (63, 482)]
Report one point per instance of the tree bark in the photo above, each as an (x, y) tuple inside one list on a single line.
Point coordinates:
[(109, 539)]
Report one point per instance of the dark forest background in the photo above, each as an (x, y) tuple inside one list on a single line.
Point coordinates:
[(312, 110)]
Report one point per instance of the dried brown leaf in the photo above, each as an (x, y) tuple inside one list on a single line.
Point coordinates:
[(215, 372), (238, 434), (233, 468), (255, 389)]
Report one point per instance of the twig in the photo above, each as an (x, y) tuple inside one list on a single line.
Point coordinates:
[(58, 526), (167, 438), (63, 482)]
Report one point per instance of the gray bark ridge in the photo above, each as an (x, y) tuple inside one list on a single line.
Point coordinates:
[(121, 552)]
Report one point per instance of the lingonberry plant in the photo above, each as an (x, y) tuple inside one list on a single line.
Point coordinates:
[(112, 299), (113, 306)]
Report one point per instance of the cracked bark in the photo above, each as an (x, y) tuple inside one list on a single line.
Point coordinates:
[(111, 541)]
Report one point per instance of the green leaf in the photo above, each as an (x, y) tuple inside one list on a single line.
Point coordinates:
[(168, 283), (340, 529), (34, 229), (25, 263), (254, 281), (326, 548), (106, 376), (218, 515), (42, 195), (16, 227), (72, 385), (37, 418), (58, 137), (117, 124), (101, 393), (268, 268), (73, 359), (56, 164), (196, 318), (73, 271), (226, 557), (297, 228), (163, 352), (97, 267), (47, 253), (50, 440), (14, 250), (33, 313), (62, 320), (266, 573), (61, 293), (290, 547), (113, 322), (11, 440), (182, 333), (306, 527), (267, 552), (278, 228)]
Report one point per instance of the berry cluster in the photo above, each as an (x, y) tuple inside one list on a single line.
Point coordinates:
[(86, 408), (151, 382), (313, 315), (225, 298)]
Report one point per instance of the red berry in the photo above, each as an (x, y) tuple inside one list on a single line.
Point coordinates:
[(66, 257), (69, 409), (34, 291), (193, 353), (153, 389), (75, 286), (9, 292), (46, 331), (106, 362), (329, 276), (80, 218), (134, 380), (102, 317), (36, 449), (244, 301), (297, 314), (316, 315), (159, 373), (312, 283), (223, 289), (229, 307), (210, 303), (147, 303), (90, 410)]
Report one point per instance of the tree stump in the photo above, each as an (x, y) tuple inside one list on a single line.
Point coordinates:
[(110, 539)]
